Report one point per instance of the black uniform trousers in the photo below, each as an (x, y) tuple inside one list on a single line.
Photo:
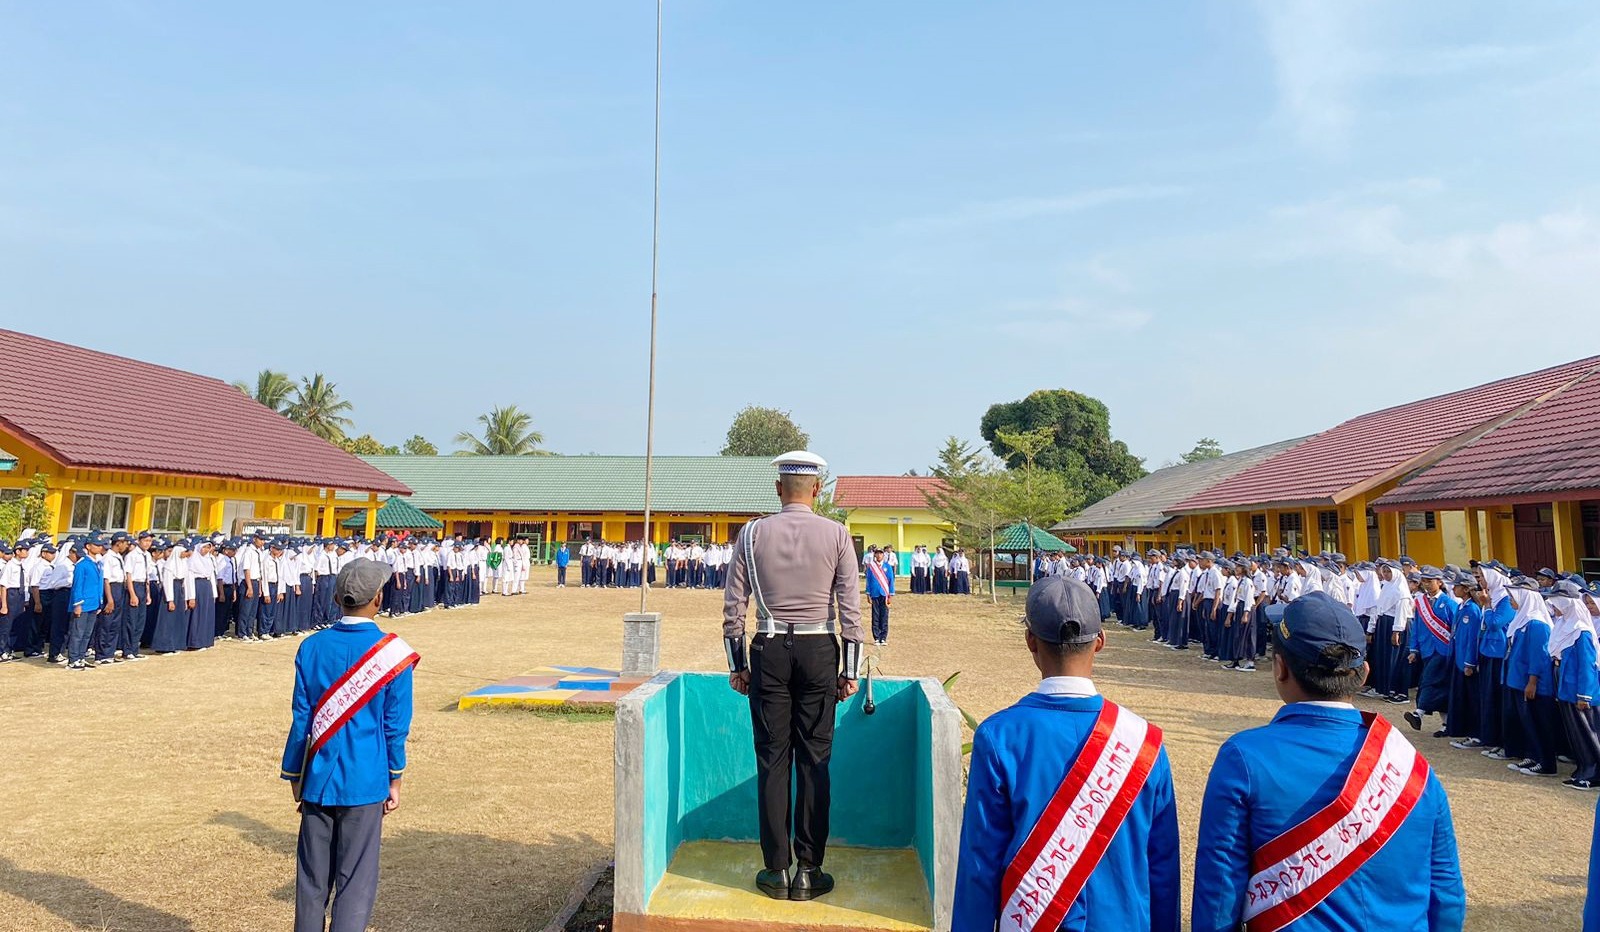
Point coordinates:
[(336, 864), (794, 686)]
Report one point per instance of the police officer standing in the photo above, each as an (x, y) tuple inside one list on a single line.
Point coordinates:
[(800, 570)]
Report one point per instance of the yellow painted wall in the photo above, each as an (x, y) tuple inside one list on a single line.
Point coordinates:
[(872, 524), (611, 525), (142, 488)]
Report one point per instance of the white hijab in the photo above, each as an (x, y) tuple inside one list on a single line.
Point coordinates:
[(1570, 625), (1530, 607), (1494, 583)]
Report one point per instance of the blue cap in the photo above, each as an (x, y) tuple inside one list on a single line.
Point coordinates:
[(1430, 572), (1315, 622), (1062, 610), (1547, 571), (145, 534)]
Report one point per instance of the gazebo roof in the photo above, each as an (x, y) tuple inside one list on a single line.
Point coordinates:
[(1017, 536), (397, 514)]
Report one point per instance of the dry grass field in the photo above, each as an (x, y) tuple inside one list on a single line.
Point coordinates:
[(146, 796)]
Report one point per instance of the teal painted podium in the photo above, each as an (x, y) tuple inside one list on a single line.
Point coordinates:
[(686, 833)]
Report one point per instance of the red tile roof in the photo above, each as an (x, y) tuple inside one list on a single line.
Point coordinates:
[(884, 491), (1375, 447), (1551, 451), (166, 421)]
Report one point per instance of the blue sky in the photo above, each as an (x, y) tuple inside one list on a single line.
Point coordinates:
[(1235, 219)]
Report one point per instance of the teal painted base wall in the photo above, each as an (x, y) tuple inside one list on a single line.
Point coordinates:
[(700, 771)]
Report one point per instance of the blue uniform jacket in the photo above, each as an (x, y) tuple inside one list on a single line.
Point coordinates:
[(873, 589), (1576, 679), (1270, 779), (355, 766), (88, 586), (1529, 655), (1492, 636), (1423, 641), (1019, 757), (1469, 620), (563, 557)]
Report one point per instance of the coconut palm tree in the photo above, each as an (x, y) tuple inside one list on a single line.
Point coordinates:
[(507, 431), (273, 389), (317, 407)]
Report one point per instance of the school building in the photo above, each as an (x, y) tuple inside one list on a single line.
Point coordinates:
[(555, 499), (1505, 470), (891, 511), (124, 445)]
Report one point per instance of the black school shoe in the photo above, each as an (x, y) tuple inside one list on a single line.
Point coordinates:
[(1414, 719), (774, 883), (810, 883)]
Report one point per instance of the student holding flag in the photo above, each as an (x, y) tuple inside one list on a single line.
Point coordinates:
[(1326, 818), (1071, 822), (346, 751)]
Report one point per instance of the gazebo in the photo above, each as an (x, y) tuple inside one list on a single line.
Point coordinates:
[(397, 514), (1014, 548)]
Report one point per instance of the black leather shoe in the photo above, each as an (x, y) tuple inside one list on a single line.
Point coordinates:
[(774, 884), (810, 883)]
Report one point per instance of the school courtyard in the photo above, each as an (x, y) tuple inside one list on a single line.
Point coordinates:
[(145, 797)]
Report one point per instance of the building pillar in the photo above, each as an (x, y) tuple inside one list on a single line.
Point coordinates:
[(330, 516), (1353, 530), (372, 515), (1274, 538), (1310, 531), (1567, 519), (719, 529), (899, 538), (273, 511), (1474, 537), (1238, 529), (56, 519), (558, 532), (212, 509), (1503, 534), (140, 507), (499, 527), (1389, 534)]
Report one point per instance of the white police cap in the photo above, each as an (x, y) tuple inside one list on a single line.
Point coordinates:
[(799, 463)]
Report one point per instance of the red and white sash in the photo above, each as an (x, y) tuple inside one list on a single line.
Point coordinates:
[(358, 686), (1077, 826), (1431, 619), (879, 575), (1294, 872)]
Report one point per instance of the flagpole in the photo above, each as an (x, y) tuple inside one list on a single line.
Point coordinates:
[(650, 402)]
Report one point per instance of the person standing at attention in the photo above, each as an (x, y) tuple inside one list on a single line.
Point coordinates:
[(346, 752), (880, 592), (799, 569), (563, 557), (1071, 821), (1326, 818)]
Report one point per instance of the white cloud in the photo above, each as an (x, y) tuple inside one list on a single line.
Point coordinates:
[(1010, 210), (1063, 320), (1314, 50)]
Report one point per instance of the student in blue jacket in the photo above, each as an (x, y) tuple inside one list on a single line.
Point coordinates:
[(1025, 756), (1530, 681), (1572, 647), (1462, 722), (1430, 648), (1496, 717), (346, 777), (1272, 783)]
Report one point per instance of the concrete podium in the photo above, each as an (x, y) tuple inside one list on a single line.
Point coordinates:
[(686, 835)]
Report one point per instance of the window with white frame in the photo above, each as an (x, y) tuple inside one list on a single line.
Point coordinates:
[(297, 516), (177, 515), (99, 511)]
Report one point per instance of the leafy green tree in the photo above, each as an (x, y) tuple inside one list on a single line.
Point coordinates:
[(824, 504), (273, 389), (1206, 449), (763, 432), (1081, 447), (507, 431), (317, 407), (1031, 494), (956, 458), (419, 445), (365, 445), (18, 514)]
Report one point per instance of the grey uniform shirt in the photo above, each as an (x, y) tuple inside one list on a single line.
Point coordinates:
[(807, 567)]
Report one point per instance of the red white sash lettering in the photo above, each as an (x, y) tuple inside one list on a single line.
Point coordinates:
[(1431, 619), (1294, 872), (358, 686), (879, 576), (1076, 828)]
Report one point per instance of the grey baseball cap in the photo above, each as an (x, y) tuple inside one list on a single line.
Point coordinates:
[(1062, 610), (360, 582)]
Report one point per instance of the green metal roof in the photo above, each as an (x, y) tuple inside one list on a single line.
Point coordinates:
[(692, 484), (1016, 537), (397, 514)]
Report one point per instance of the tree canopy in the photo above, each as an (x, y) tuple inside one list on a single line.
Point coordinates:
[(1205, 448), (316, 406), (272, 389), (507, 431), (419, 445), (365, 445), (1080, 447), (757, 431)]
